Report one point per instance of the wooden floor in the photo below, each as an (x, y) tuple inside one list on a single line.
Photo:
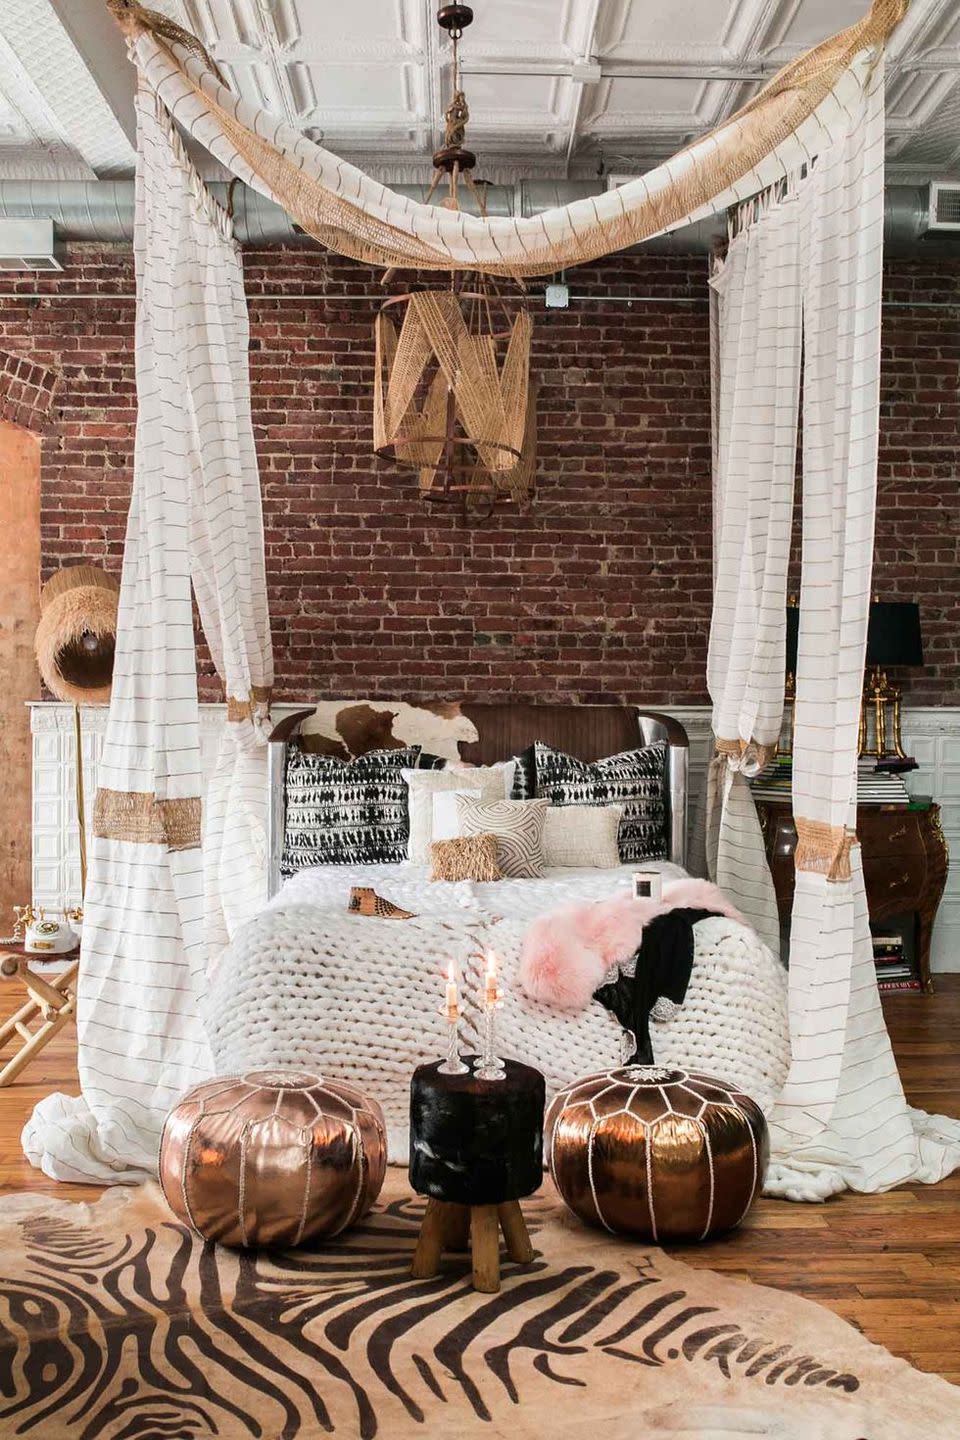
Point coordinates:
[(888, 1263)]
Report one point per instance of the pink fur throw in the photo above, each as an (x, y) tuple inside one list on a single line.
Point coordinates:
[(566, 955)]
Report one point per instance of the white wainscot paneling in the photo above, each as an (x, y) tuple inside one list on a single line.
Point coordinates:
[(56, 855), (931, 734)]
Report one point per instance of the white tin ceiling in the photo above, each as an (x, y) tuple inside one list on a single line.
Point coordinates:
[(556, 87)]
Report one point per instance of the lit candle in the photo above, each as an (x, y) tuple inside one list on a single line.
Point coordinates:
[(453, 994), (491, 994)]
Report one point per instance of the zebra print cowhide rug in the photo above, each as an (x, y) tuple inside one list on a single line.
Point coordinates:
[(116, 1323)]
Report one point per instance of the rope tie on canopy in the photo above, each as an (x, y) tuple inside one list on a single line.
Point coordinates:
[(134, 18), (748, 757), (260, 697), (142, 819), (824, 849)]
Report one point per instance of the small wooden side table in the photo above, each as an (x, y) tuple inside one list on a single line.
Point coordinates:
[(476, 1150), (52, 1004), (904, 865)]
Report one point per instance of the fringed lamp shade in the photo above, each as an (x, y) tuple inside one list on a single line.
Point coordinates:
[(452, 394), (77, 634)]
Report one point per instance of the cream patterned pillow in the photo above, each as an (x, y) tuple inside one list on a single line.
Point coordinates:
[(486, 780), (584, 836), (518, 826)]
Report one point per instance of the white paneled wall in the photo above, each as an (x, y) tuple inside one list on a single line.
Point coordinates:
[(932, 735)]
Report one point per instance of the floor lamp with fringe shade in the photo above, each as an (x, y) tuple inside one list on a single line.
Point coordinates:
[(75, 643)]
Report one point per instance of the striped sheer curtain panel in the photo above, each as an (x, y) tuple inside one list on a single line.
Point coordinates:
[(756, 390), (151, 912), (842, 1121)]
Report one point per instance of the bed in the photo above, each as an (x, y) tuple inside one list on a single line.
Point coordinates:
[(492, 732), (309, 984)]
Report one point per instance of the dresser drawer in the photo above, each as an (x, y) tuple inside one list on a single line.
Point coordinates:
[(890, 832), (889, 877)]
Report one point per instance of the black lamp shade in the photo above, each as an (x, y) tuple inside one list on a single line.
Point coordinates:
[(893, 636), (793, 636)]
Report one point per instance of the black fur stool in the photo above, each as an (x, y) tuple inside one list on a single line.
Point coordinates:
[(476, 1149)]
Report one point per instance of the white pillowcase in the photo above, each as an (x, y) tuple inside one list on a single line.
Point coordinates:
[(490, 782), (446, 822), (583, 836)]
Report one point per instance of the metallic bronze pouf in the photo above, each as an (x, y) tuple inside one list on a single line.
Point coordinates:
[(274, 1157), (657, 1153)]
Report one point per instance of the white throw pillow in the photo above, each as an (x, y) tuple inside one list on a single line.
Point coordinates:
[(518, 826), (423, 785), (582, 836), (446, 823)]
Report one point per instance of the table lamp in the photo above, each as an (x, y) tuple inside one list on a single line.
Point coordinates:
[(893, 638)]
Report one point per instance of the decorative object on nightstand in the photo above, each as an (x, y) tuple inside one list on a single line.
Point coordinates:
[(662, 1154), (75, 644), (893, 638), (476, 1150), (904, 863)]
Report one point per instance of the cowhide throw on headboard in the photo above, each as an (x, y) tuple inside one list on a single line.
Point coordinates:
[(345, 728)]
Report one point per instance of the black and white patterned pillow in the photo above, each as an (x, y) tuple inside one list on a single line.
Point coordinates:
[(634, 779), (348, 812)]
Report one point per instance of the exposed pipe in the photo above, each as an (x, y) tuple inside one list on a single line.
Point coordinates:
[(102, 210)]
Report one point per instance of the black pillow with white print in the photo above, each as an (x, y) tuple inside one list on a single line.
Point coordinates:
[(634, 779), (349, 812)]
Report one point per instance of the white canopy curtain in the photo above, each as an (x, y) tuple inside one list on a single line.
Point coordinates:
[(156, 914), (842, 1121), (757, 388), (152, 905)]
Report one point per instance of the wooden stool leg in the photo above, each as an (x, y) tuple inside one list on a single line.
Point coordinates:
[(514, 1229), (426, 1257), (457, 1235), (485, 1248)]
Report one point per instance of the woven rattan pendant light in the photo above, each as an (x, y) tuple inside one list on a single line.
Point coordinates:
[(452, 391)]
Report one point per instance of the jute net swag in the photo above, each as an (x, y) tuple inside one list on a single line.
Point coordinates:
[(353, 215)]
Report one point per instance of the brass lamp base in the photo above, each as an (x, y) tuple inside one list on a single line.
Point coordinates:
[(879, 738)]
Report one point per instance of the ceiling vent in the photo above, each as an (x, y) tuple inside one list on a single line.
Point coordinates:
[(29, 245), (944, 205)]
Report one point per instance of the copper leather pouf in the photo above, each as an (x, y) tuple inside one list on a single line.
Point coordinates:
[(661, 1154), (272, 1158)]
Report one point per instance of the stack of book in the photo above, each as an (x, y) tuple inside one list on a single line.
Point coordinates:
[(894, 970), (874, 787), (879, 787)]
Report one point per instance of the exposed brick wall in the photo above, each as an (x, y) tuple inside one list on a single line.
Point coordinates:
[(26, 392), (602, 592)]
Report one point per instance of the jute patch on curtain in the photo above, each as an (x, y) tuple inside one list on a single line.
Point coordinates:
[(116, 1321)]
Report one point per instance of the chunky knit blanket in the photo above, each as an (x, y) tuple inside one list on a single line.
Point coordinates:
[(360, 998)]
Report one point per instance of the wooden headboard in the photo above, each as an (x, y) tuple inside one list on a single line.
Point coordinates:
[(587, 731)]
